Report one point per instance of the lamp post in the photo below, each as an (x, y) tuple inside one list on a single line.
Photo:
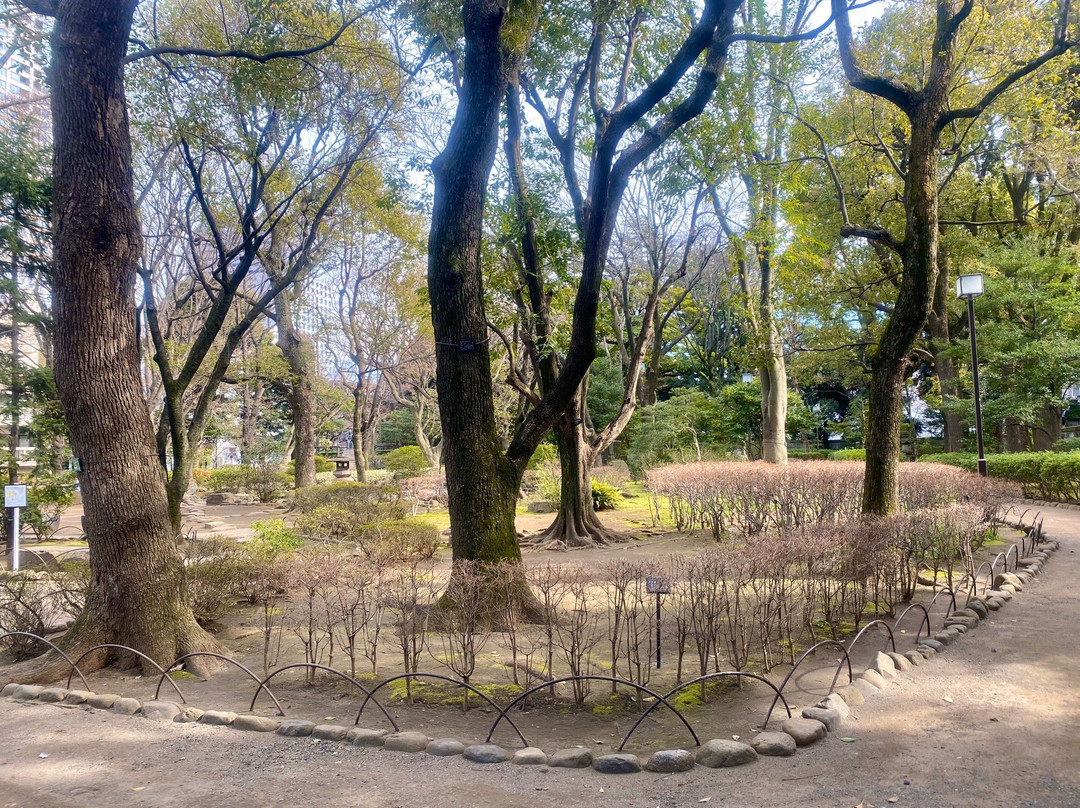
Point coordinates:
[(969, 287)]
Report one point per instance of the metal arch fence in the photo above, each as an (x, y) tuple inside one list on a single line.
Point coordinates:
[(594, 678), (328, 669), (223, 658), (130, 650), (1033, 535), (442, 678), (39, 638)]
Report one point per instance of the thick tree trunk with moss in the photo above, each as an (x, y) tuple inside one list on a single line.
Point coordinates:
[(890, 361), (481, 483), (137, 594)]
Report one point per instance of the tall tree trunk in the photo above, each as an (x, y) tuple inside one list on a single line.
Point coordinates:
[(137, 593), (1048, 430), (890, 362), (359, 437), (481, 482), (301, 395), (940, 341), (774, 402)]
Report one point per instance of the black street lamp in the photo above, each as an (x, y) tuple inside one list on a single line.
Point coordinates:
[(969, 287)]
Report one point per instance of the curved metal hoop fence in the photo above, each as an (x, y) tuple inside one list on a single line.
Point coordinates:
[(39, 638), (223, 658), (701, 680), (131, 650), (328, 669), (595, 678), (439, 677)]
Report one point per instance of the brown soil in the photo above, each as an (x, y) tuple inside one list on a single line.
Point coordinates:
[(1006, 738)]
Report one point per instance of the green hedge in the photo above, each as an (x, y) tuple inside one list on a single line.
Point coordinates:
[(848, 454), (798, 454), (1053, 476)]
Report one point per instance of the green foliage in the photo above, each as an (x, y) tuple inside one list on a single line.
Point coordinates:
[(273, 538), (819, 454), (605, 497), (1067, 445), (848, 454), (368, 503), (322, 465), (399, 428), (545, 453), (47, 496), (1052, 476), (549, 481), (262, 481), (408, 461), (379, 533)]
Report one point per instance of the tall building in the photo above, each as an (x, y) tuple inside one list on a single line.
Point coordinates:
[(23, 44)]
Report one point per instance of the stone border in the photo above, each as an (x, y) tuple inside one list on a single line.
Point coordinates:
[(816, 723)]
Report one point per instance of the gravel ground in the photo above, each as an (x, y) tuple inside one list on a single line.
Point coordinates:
[(1006, 737)]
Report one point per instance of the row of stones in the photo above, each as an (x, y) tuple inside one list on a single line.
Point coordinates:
[(809, 729), (887, 665), (814, 725)]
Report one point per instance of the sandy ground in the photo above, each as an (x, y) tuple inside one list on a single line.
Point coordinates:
[(1007, 737)]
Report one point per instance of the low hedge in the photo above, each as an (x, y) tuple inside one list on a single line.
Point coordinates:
[(1052, 476)]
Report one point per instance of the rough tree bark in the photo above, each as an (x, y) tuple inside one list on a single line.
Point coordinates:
[(137, 594)]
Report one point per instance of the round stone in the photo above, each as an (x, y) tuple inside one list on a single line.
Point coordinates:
[(77, 696), (160, 710), (993, 604), (530, 756), (293, 728), (804, 731), (883, 664), (189, 715), (445, 747), (832, 719), (619, 763), (9, 689), (914, 658), (865, 688), (329, 732), (851, 695), (874, 678), (486, 753), (52, 695), (26, 692), (670, 760), (362, 736), (900, 662), (932, 644), (126, 706), (773, 744), (834, 702), (406, 742), (220, 718), (576, 758), (721, 753), (255, 723)]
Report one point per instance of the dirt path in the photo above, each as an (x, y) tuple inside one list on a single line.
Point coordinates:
[(1008, 737)]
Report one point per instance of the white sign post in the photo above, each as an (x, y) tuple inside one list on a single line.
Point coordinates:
[(15, 498)]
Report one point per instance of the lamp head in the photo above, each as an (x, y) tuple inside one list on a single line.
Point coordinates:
[(969, 286)]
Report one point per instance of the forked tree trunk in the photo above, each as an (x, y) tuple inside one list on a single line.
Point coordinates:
[(137, 593)]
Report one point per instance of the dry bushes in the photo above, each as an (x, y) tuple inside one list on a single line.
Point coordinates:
[(734, 498)]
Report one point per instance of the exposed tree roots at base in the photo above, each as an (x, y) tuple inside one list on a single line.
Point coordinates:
[(578, 531)]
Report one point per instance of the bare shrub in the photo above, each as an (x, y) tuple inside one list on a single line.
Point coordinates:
[(466, 603), (549, 584), (410, 597), (578, 631)]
